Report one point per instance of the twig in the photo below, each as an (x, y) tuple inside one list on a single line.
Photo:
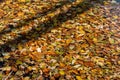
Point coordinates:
[(8, 75)]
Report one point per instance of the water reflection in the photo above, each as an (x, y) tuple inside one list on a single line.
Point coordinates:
[(118, 0)]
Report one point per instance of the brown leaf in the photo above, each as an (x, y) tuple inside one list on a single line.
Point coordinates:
[(89, 63)]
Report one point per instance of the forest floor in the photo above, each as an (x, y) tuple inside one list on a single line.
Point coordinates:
[(59, 40)]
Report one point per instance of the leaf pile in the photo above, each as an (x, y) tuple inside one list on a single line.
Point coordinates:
[(59, 40)]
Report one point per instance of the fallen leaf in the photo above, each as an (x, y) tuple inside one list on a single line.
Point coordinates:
[(111, 40), (95, 40), (62, 72), (79, 78)]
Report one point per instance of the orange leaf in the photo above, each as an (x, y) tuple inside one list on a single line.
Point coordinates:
[(89, 64), (62, 64), (51, 53), (46, 70)]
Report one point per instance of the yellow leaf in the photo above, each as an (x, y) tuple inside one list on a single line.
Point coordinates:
[(82, 32), (12, 79), (95, 39), (18, 62), (31, 10), (8, 2), (51, 14), (29, 68), (79, 78), (115, 17), (68, 41), (8, 68), (54, 31), (19, 46), (112, 41), (74, 71), (119, 62), (62, 72), (106, 3), (26, 78), (20, 13), (21, 0), (84, 45), (7, 56), (82, 51), (80, 28)]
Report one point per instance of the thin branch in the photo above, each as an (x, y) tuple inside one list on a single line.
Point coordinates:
[(8, 75)]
